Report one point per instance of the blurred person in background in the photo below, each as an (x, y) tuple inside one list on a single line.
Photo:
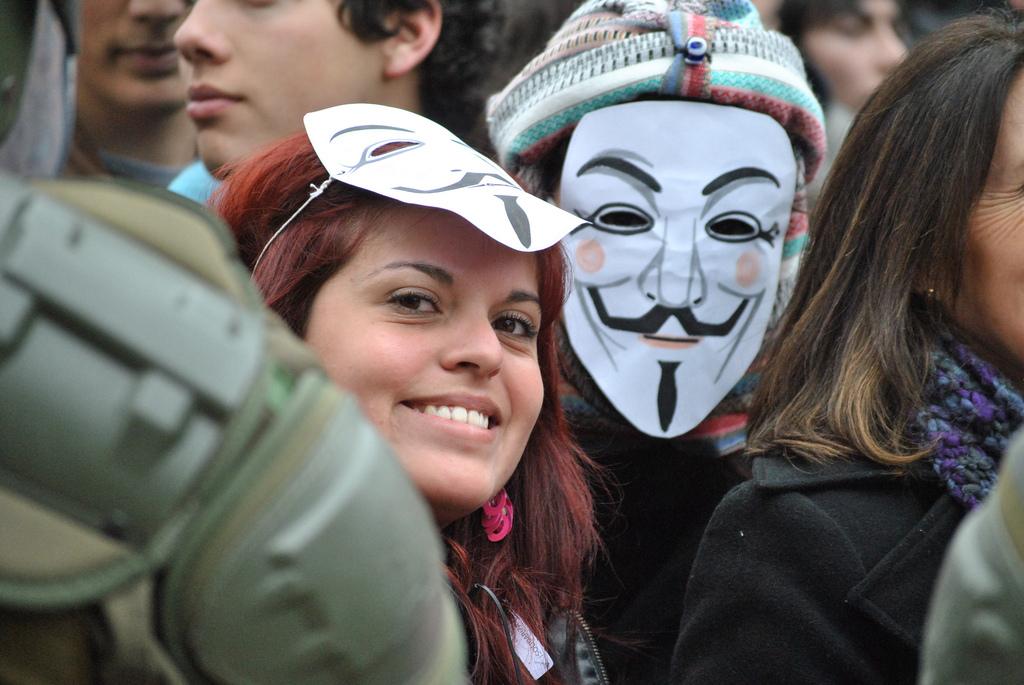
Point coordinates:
[(925, 16), (528, 24), (130, 106), (257, 68), (849, 46), (769, 10)]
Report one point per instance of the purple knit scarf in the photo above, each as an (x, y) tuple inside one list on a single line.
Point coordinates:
[(970, 412)]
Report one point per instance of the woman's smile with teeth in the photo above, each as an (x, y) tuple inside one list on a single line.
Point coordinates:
[(461, 414)]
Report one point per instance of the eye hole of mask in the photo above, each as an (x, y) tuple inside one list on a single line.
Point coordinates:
[(734, 227), (392, 147), (621, 218)]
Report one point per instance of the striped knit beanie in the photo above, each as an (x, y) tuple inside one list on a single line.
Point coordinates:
[(614, 51), (610, 52)]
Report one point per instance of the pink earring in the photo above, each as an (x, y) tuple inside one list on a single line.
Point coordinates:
[(497, 518)]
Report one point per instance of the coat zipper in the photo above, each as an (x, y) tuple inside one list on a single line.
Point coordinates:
[(592, 643)]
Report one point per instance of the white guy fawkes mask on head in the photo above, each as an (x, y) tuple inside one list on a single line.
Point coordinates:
[(676, 278), (411, 159)]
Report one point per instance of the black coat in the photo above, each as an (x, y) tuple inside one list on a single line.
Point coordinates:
[(815, 574), (651, 528)]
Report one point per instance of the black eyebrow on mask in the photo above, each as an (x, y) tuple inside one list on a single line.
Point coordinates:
[(368, 127), (621, 165), (435, 272), (739, 174)]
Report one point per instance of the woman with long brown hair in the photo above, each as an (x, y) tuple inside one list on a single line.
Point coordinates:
[(891, 390), (445, 334)]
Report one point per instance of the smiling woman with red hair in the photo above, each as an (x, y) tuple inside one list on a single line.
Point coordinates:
[(446, 336)]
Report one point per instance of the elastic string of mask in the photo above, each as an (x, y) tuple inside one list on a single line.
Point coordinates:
[(317, 191), (505, 625)]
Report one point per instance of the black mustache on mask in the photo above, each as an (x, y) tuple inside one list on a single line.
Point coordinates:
[(653, 320)]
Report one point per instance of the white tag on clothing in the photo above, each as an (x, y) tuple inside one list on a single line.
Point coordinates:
[(529, 650)]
